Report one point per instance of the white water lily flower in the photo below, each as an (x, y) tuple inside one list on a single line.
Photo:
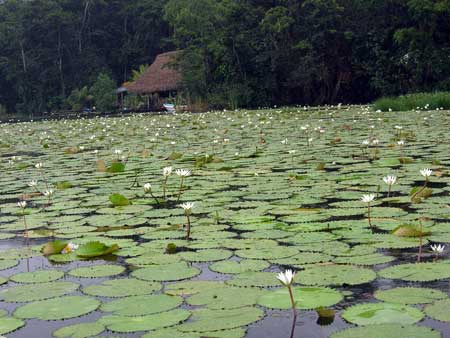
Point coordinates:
[(286, 278), (390, 179), (32, 183), (187, 207), (69, 248), (426, 172), (147, 187), (183, 172), (368, 198), (22, 204), (365, 142), (438, 248), (48, 192), (39, 165), (117, 151), (401, 143), (167, 171)]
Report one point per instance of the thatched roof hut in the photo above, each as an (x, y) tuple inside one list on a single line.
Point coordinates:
[(159, 77)]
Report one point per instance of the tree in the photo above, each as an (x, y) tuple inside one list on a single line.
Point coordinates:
[(103, 93)]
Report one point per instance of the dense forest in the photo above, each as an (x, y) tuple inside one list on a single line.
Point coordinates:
[(236, 53)]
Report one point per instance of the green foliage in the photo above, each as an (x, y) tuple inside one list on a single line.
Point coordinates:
[(116, 167), (79, 98), (420, 101), (103, 93), (95, 249), (119, 200)]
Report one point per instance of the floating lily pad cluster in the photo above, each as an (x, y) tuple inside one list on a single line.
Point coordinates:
[(272, 189)]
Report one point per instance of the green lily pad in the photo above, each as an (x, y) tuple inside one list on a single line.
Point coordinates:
[(306, 298), (83, 330), (372, 259), (234, 267), (204, 320), (382, 313), (187, 288), (173, 332), (95, 249), (32, 292), (417, 272), (267, 253), (439, 310), (388, 331), (8, 263), (54, 247), (169, 272), (226, 298), (41, 276), (97, 271), (409, 295), (58, 308), (207, 255), (10, 324), (144, 323), (335, 275), (259, 279), (119, 200), (142, 305), (122, 288)]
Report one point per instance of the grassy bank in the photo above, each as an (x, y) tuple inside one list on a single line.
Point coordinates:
[(422, 101)]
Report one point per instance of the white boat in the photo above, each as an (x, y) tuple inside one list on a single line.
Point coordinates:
[(169, 107)]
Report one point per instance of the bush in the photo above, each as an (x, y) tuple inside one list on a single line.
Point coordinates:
[(104, 93), (421, 101)]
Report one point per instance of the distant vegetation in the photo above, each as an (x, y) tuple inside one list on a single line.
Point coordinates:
[(419, 101), (249, 53)]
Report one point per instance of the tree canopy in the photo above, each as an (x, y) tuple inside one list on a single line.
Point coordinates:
[(236, 53)]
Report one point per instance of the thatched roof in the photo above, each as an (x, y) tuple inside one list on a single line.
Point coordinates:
[(160, 76)]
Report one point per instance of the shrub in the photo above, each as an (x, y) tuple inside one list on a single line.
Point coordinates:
[(421, 101)]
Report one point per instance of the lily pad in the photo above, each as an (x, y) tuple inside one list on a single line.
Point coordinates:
[(58, 308), (144, 323), (8, 263), (83, 330), (439, 310), (121, 288), (142, 305), (382, 313), (169, 272), (226, 298), (204, 320), (234, 267), (417, 272), (388, 331), (335, 275), (306, 298), (409, 295), (41, 276), (32, 292), (97, 271), (95, 249), (10, 324)]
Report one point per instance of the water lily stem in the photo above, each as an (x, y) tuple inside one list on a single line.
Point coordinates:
[(368, 216), (291, 295), (188, 227), (418, 192), (164, 187), (181, 188), (419, 256), (154, 197), (25, 234)]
